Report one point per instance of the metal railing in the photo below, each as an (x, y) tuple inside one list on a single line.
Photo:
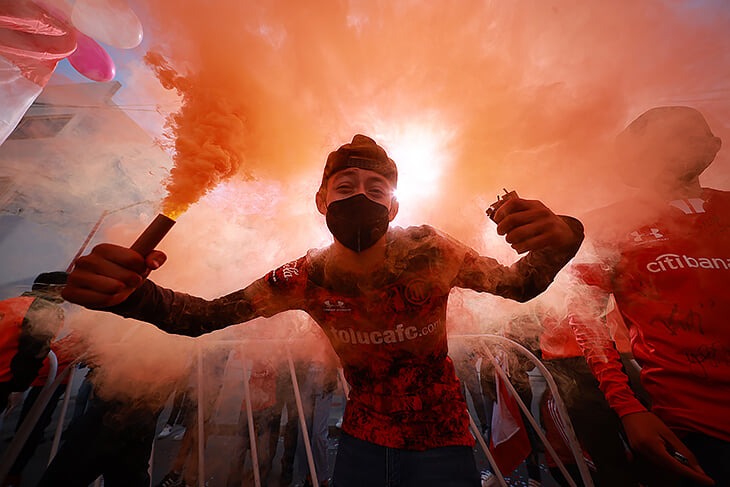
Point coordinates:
[(562, 411), (26, 428), (55, 380)]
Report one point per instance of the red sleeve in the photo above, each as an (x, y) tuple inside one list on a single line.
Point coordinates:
[(587, 318), (66, 350), (283, 288)]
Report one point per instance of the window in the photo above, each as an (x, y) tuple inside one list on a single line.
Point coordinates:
[(40, 127)]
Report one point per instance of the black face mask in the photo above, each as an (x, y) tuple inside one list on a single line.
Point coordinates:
[(357, 222)]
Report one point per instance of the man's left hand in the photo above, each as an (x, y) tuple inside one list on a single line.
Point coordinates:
[(530, 225)]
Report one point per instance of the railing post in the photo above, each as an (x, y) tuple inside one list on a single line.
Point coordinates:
[(302, 420), (33, 416)]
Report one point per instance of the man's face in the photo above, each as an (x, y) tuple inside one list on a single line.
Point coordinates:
[(350, 182)]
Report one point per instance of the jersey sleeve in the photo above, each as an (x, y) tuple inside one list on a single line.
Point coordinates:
[(587, 309), (521, 281), (280, 290)]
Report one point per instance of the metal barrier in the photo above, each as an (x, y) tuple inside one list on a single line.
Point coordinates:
[(253, 448), (61, 419), (55, 380), (562, 411)]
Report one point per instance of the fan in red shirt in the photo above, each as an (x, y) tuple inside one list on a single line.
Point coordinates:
[(665, 256), (380, 296)]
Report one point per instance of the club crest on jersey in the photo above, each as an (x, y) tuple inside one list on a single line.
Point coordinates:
[(418, 291), (332, 306)]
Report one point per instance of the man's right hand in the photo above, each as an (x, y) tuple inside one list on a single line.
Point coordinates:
[(649, 436), (108, 275)]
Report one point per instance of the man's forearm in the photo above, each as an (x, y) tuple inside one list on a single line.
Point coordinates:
[(538, 269), (181, 313)]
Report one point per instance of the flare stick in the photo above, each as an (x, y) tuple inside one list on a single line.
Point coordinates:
[(152, 235)]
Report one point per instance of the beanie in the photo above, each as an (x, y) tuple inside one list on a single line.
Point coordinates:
[(362, 153)]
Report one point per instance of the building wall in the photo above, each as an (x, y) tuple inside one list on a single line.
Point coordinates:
[(74, 155)]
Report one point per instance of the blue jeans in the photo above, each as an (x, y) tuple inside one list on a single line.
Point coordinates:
[(363, 464)]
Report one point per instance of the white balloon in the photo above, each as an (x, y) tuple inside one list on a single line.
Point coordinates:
[(112, 22)]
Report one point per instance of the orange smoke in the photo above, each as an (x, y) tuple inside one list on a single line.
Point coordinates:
[(531, 94), (207, 137)]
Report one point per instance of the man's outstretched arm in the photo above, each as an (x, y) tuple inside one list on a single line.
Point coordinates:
[(113, 278)]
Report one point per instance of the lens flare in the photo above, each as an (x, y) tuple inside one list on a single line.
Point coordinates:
[(422, 155)]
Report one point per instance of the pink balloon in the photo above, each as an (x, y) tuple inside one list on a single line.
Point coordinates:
[(58, 8), (91, 60)]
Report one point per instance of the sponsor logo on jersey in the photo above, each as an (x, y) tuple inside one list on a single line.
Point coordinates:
[(336, 306), (283, 273), (647, 234), (289, 271), (673, 262), (401, 333)]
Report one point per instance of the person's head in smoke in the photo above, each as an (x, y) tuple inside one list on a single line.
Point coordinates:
[(357, 194), (666, 149), (49, 285)]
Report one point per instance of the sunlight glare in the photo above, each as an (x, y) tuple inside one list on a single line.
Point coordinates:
[(420, 152)]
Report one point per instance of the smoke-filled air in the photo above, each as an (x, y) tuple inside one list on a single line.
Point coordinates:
[(239, 104)]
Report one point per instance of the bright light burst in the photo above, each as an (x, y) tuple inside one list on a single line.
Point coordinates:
[(422, 156)]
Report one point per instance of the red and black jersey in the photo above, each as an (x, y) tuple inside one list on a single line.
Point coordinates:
[(387, 327), (670, 276)]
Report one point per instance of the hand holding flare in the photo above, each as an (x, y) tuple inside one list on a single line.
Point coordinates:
[(529, 225), (110, 273)]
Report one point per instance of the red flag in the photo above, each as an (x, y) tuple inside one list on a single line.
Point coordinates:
[(508, 443), (558, 438)]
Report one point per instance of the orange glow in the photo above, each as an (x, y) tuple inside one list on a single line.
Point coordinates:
[(508, 94), (173, 213)]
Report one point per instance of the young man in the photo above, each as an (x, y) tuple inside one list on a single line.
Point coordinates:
[(380, 296), (665, 256)]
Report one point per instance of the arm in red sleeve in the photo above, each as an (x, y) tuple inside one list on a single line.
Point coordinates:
[(587, 318)]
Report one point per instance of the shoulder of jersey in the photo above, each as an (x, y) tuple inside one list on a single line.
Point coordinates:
[(288, 274)]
